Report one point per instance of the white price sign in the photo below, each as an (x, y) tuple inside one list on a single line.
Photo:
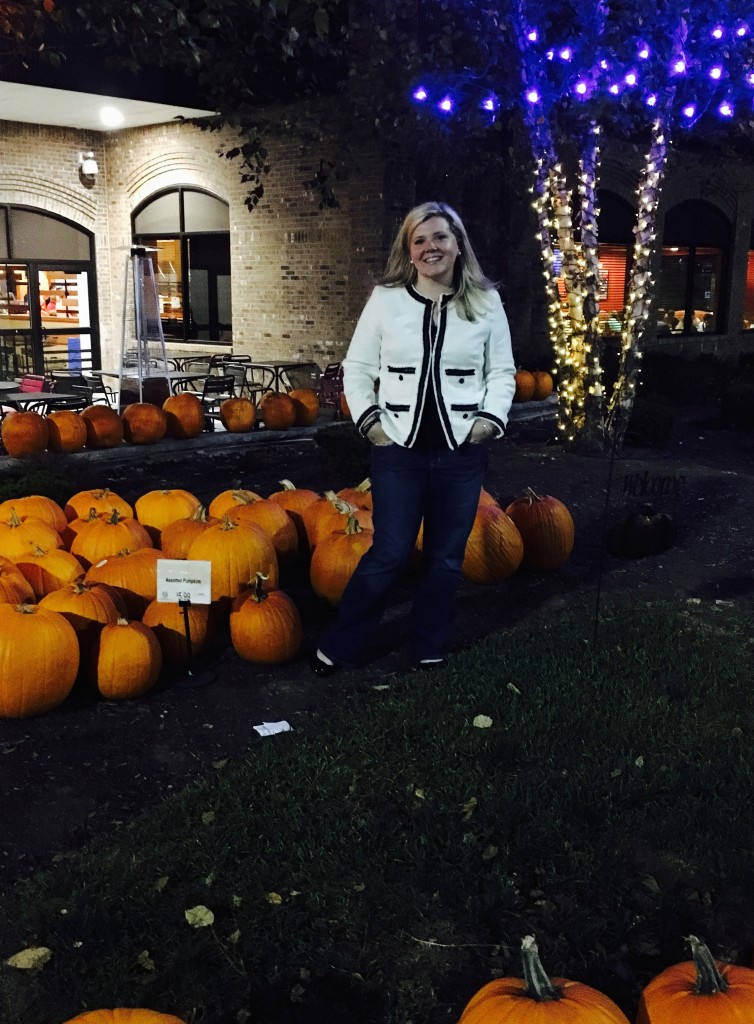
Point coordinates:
[(181, 579)]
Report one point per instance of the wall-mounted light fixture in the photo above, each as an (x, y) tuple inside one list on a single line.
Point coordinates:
[(88, 165)]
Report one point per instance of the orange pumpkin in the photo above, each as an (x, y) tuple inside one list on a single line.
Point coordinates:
[(543, 385), (66, 431), (538, 999), (295, 501), (18, 537), (157, 509), (168, 622), (14, 586), (329, 515), (343, 406), (101, 499), (485, 498), (546, 527), (104, 427), (237, 551), (125, 660), (525, 385), (227, 500), (103, 537), (275, 522), (700, 991), (48, 570), (88, 607), (133, 575), (176, 538), (39, 660), (265, 626), (144, 423), (278, 412), (238, 415), (24, 434), (122, 1015), (35, 506), (494, 549), (335, 558), (306, 406), (360, 495), (184, 415)]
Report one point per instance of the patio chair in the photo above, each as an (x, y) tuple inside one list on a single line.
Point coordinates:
[(216, 389), (331, 388)]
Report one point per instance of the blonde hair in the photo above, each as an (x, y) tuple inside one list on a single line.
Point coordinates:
[(469, 282)]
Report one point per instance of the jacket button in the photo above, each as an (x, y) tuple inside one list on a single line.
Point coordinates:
[(395, 414), (400, 376), (465, 415), (461, 381)]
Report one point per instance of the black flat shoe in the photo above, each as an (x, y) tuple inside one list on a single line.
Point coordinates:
[(321, 668)]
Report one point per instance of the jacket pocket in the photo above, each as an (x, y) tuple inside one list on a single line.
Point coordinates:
[(392, 407), (460, 376)]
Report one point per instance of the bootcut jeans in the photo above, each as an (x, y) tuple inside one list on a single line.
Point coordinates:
[(442, 488)]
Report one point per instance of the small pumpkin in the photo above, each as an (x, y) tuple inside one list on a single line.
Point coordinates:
[(295, 501), (306, 402), (335, 558), (103, 537), (547, 529), (66, 431), (18, 536), (238, 415), (48, 569), (144, 423), (699, 991), (274, 520), (87, 606), (104, 427), (157, 509), (329, 515), (226, 500), (168, 622), (123, 1015), (101, 499), (184, 415), (525, 385), (39, 660), (543, 385), (35, 506), (278, 412), (176, 537), (14, 586), (494, 549), (360, 495), (125, 660), (24, 434), (265, 626), (642, 533), (540, 999), (133, 576)]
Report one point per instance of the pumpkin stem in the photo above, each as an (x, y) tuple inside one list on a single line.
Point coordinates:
[(287, 485), (228, 524), (121, 621), (115, 517), (364, 486), (93, 514), (538, 985), (26, 609), (352, 524), (257, 593), (339, 504), (13, 519), (532, 495), (103, 493), (199, 514), (709, 981), (243, 498)]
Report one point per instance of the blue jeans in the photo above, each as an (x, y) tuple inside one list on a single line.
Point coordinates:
[(442, 488)]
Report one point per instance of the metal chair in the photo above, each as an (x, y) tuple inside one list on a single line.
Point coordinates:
[(216, 389), (331, 387), (77, 383)]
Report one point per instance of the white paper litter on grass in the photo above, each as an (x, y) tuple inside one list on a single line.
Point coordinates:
[(270, 728)]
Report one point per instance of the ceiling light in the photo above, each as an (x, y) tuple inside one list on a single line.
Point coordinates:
[(111, 117)]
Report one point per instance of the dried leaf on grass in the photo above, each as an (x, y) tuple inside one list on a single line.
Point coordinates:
[(30, 959)]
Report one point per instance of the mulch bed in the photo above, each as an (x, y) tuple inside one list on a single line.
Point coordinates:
[(87, 767)]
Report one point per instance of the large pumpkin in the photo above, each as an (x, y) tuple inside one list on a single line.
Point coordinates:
[(306, 406), (176, 538), (87, 606), (278, 412), (168, 622), (157, 509), (102, 499), (226, 500), (66, 431), (104, 427), (274, 520), (237, 551), (125, 660), (525, 385), (494, 549), (335, 558), (546, 527), (700, 991), (24, 433), (537, 999), (14, 586), (48, 569), (238, 415), (184, 415), (144, 423), (39, 660), (35, 506), (134, 576), (122, 1015), (103, 537), (295, 500), (265, 627), (18, 536)]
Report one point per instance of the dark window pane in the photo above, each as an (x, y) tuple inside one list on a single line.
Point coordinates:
[(3, 234), (748, 323), (204, 213), (673, 280), (38, 236), (161, 215), (14, 297)]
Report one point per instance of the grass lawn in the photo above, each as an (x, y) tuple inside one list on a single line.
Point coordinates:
[(380, 863)]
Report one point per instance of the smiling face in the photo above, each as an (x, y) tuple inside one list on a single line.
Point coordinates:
[(433, 250)]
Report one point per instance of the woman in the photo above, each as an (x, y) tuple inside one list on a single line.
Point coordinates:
[(434, 339)]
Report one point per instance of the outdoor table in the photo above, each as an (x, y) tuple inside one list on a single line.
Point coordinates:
[(8, 385), (186, 381), (22, 399)]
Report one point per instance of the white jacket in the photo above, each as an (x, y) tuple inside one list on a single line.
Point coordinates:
[(398, 344)]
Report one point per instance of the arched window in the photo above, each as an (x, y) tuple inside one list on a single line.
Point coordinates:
[(190, 233), (695, 247), (48, 316)]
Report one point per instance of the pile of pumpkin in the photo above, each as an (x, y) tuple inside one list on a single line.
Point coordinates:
[(78, 585), (699, 991), (181, 417), (533, 386)]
